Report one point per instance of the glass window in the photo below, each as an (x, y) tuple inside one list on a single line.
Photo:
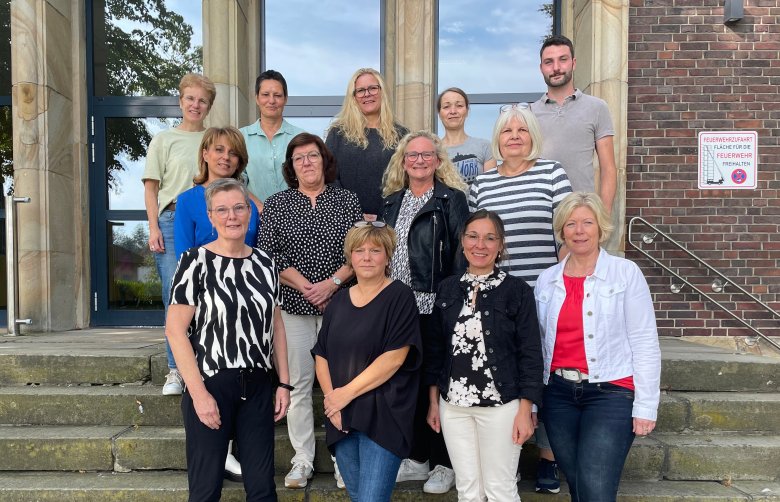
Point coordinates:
[(143, 47), (133, 282), (492, 50), (6, 150), (317, 46), (5, 47)]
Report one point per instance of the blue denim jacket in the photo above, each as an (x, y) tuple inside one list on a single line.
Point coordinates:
[(510, 330)]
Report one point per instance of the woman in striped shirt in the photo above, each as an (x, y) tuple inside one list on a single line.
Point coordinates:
[(524, 190)]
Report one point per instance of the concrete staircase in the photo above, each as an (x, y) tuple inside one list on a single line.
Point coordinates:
[(82, 419)]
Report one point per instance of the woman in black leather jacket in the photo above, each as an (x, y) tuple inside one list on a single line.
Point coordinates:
[(484, 366), (426, 204)]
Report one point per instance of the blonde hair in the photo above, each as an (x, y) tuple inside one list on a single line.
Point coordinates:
[(525, 116), (395, 177), (236, 142), (351, 121), (582, 199), (383, 236), (198, 80)]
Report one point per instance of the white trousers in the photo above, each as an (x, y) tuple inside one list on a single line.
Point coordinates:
[(483, 454), (301, 336)]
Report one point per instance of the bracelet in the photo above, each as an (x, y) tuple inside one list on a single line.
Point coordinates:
[(286, 386)]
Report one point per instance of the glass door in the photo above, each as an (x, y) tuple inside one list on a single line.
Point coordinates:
[(126, 288)]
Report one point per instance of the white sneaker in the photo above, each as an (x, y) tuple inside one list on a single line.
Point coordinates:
[(299, 475), (412, 471), (172, 385), (233, 468), (441, 479), (337, 474)]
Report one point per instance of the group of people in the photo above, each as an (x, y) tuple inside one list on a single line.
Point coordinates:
[(451, 296)]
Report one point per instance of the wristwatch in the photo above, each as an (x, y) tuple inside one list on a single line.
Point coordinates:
[(336, 280)]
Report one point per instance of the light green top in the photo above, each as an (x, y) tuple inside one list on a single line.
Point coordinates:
[(264, 171), (172, 159)]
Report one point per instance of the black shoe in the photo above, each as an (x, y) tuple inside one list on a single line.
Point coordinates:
[(547, 480)]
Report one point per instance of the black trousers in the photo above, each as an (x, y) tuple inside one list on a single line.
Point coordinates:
[(245, 402), (427, 444)]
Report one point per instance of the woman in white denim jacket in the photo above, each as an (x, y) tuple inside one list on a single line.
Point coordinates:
[(602, 362)]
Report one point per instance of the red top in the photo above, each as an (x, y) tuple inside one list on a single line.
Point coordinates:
[(569, 351)]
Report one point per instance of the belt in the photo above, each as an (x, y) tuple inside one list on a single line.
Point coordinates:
[(170, 207), (571, 375)]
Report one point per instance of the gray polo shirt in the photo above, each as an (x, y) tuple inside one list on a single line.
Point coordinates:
[(570, 132)]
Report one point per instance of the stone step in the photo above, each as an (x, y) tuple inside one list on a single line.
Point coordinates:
[(171, 486), (145, 405), (673, 456)]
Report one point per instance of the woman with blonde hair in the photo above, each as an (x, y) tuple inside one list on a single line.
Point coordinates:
[(363, 137), (426, 204)]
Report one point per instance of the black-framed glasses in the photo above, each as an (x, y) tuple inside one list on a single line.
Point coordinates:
[(362, 92), (312, 156), (223, 212), (413, 156), (516, 106), (364, 223)]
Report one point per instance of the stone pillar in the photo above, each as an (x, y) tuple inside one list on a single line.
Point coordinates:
[(50, 161), (410, 59), (599, 30), (231, 58)]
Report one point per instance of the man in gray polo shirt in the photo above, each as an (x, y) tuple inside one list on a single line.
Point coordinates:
[(574, 124)]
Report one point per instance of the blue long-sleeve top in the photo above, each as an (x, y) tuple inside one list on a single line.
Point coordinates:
[(192, 227)]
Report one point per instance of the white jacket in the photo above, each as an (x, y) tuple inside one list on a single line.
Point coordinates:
[(618, 319)]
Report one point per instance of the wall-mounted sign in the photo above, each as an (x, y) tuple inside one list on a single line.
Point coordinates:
[(728, 159)]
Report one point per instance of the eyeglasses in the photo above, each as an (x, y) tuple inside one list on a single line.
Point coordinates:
[(473, 238), (312, 156), (223, 212), (516, 106), (362, 92), (375, 224), (413, 156)]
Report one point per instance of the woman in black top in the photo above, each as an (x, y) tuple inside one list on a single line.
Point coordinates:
[(367, 360), (226, 332), (486, 363), (426, 204), (304, 229)]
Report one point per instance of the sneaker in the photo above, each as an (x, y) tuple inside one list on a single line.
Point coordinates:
[(299, 475), (172, 385), (233, 469), (337, 474), (440, 480), (547, 480), (412, 471)]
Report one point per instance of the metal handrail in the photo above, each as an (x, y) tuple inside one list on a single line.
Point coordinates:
[(691, 285), (11, 264)]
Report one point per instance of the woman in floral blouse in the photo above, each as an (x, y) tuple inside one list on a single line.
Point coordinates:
[(486, 360)]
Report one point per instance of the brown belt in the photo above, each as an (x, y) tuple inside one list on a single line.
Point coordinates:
[(170, 207)]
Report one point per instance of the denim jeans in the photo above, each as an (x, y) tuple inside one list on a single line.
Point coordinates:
[(166, 267), (590, 431), (368, 470)]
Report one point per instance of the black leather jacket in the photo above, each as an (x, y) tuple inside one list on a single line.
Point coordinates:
[(433, 236), (511, 332)]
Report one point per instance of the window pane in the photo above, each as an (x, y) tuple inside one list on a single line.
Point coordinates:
[(317, 46), (5, 47), (492, 49), (133, 282), (6, 151), (314, 125), (143, 47), (480, 121), (127, 140)]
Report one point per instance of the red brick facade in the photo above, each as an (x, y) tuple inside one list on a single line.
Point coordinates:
[(688, 72)]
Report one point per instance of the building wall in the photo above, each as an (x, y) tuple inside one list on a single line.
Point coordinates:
[(688, 72)]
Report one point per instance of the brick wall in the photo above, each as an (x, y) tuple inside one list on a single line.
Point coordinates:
[(688, 72)]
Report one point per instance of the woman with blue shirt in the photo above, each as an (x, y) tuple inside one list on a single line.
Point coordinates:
[(602, 362), (222, 155)]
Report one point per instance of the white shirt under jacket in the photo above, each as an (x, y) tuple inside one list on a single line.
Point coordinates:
[(618, 319)]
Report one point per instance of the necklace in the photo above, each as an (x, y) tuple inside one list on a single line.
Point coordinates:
[(588, 270)]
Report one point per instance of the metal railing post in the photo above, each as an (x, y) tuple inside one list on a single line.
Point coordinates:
[(11, 263)]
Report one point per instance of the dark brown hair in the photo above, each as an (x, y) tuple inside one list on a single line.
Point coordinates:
[(498, 223), (328, 160)]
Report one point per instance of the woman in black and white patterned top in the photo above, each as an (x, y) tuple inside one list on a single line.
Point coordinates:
[(226, 332), (304, 229), (426, 204), (486, 364)]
